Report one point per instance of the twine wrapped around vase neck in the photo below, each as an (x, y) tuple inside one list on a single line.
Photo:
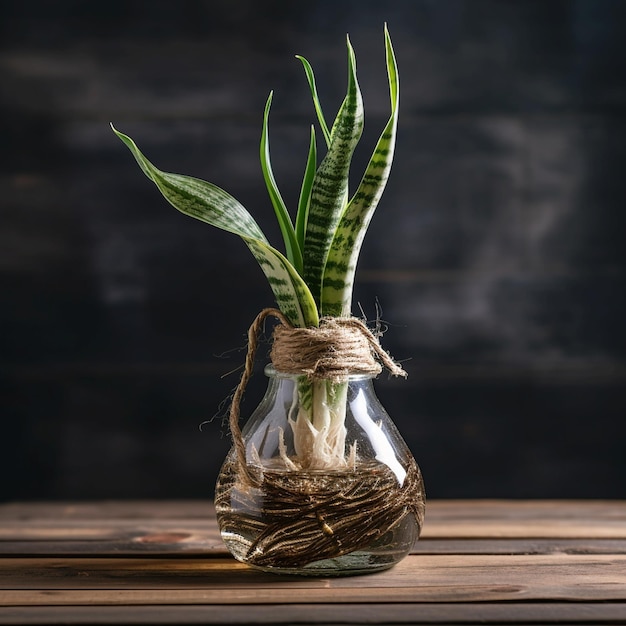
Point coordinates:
[(338, 347), (334, 350)]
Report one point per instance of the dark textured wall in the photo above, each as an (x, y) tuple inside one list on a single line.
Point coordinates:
[(497, 253)]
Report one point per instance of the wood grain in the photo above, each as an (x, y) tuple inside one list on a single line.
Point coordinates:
[(442, 578), (206, 545), (163, 562), (462, 613)]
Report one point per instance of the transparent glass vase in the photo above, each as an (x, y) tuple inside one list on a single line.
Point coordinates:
[(330, 487)]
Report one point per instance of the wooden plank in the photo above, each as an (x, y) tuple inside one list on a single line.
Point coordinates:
[(296, 594), (130, 528), (444, 519), (526, 519), (437, 510), (514, 613), (419, 578), (519, 546), (163, 544), (585, 528), (106, 510), (206, 545), (94, 530)]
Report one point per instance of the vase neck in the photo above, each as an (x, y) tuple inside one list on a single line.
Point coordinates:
[(272, 373)]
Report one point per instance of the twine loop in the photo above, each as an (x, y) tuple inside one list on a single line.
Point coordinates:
[(339, 347)]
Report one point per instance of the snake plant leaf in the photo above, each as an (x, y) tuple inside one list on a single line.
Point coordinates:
[(305, 191), (310, 76), (330, 185), (292, 247), (208, 203), (291, 292), (342, 259), (197, 198)]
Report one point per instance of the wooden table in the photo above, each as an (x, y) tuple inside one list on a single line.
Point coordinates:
[(163, 562)]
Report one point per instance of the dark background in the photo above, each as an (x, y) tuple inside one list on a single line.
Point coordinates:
[(497, 253)]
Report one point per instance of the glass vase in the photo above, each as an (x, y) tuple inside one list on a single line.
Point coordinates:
[(329, 486)]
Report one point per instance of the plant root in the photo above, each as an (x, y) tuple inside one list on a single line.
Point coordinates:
[(293, 518)]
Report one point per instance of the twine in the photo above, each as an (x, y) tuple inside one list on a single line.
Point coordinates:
[(339, 347)]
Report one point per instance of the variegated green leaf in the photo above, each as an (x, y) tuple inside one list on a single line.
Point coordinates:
[(292, 295), (328, 195), (305, 191), (210, 204), (196, 197), (342, 259), (292, 247), (308, 70)]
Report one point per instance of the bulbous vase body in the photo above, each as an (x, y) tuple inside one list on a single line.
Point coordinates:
[(330, 486)]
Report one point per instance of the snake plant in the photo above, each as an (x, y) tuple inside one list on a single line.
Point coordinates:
[(314, 276)]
